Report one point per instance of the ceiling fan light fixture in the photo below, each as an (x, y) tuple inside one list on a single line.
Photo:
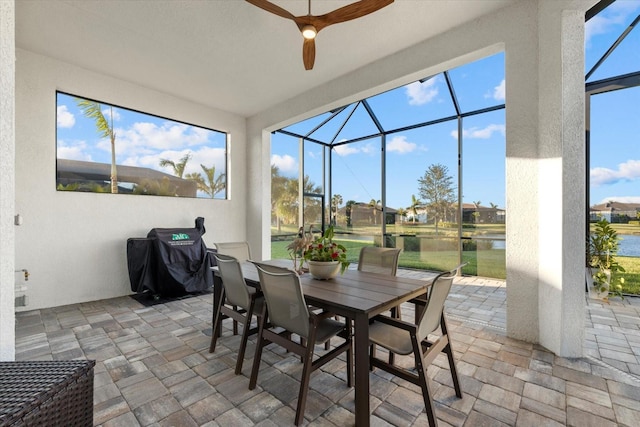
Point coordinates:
[(309, 32), (309, 24)]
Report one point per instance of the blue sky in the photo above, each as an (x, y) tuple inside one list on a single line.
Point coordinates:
[(356, 166), (141, 139), (615, 167), (615, 118)]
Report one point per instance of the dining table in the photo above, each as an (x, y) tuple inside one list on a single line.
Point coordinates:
[(354, 295)]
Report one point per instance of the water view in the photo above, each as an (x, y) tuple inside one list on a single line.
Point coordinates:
[(629, 245)]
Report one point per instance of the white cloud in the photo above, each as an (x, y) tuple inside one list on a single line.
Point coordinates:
[(399, 144), (286, 163), (64, 118), (628, 171), (499, 91), (76, 151), (345, 150), (144, 138), (421, 93), (615, 14), (348, 149), (480, 133), (623, 199)]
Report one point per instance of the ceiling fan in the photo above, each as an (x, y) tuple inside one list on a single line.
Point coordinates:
[(310, 25)]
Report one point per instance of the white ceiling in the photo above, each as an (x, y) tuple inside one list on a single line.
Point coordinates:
[(227, 54)]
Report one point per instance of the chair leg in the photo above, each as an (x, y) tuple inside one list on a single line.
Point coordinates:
[(396, 314), (349, 354), (452, 362), (217, 321), (235, 322), (424, 385), (258, 355), (245, 337), (304, 380)]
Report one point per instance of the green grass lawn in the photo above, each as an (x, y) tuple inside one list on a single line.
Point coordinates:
[(631, 275), (483, 263), (491, 262)]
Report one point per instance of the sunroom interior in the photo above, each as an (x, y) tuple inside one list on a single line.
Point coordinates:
[(249, 82)]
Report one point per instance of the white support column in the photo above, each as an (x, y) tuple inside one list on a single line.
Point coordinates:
[(546, 179), (7, 179), (562, 172)]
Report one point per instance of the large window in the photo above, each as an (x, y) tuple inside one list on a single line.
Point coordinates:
[(104, 148), (420, 167)]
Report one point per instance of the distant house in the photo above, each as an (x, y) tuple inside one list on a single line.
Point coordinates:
[(472, 214), (82, 172), (615, 212), (366, 214)]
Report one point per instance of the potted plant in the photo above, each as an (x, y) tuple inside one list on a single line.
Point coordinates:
[(325, 257), (602, 248)]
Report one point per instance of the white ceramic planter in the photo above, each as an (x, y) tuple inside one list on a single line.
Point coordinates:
[(324, 270), (596, 293)]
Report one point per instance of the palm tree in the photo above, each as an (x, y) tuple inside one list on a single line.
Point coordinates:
[(414, 207), (278, 184), (476, 214), (401, 213), (92, 110), (374, 204), (493, 212), (347, 210), (213, 185), (178, 168)]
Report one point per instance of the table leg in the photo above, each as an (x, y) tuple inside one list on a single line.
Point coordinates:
[(217, 294), (361, 350)]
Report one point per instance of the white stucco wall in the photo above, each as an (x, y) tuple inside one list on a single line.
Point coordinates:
[(7, 191), (74, 244), (545, 293)]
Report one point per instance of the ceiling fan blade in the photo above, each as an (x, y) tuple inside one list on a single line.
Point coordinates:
[(309, 53), (349, 12), (270, 7)]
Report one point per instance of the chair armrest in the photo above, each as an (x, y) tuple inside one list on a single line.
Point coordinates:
[(395, 322)]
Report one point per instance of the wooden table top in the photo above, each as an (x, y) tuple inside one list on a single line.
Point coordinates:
[(353, 291)]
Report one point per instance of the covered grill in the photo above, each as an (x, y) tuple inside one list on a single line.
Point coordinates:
[(170, 261)]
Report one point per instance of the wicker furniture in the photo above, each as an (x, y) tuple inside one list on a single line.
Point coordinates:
[(48, 393)]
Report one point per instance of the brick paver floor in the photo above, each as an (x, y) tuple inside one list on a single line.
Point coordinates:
[(154, 369)]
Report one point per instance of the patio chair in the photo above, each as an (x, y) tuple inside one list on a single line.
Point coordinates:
[(240, 251), (406, 338), (381, 261), (286, 308), (245, 302)]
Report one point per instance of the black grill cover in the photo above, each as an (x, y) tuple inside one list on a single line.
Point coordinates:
[(170, 261)]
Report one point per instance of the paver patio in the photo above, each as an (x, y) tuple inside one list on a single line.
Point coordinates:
[(153, 368)]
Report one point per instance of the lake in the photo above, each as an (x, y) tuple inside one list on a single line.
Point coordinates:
[(629, 245)]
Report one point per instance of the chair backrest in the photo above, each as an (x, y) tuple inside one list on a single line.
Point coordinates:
[(233, 282), (238, 250), (285, 300), (379, 260), (438, 293)]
